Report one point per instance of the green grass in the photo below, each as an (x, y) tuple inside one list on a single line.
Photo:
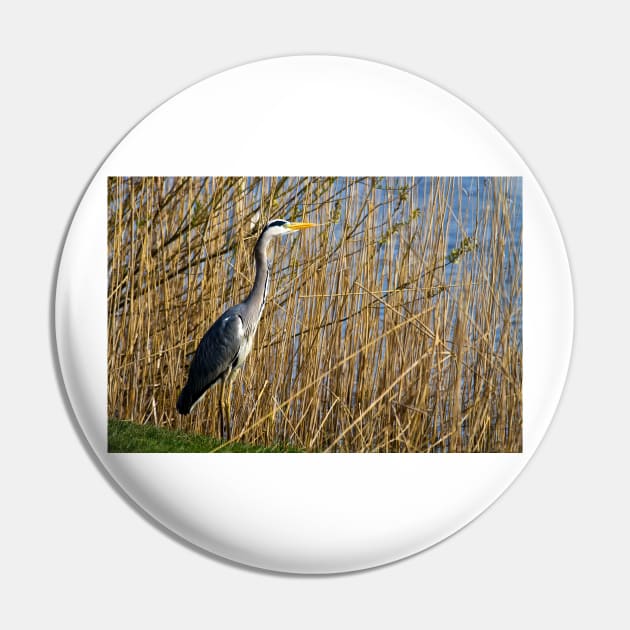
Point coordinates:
[(129, 437)]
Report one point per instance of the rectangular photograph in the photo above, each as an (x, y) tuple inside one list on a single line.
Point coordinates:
[(315, 314)]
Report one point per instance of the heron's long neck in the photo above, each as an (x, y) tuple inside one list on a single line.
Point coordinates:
[(257, 296)]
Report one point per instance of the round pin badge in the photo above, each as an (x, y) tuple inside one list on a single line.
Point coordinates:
[(314, 314)]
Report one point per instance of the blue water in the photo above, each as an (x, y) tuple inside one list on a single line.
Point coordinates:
[(467, 197)]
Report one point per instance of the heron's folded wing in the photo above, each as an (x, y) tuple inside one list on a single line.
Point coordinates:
[(219, 347), (216, 353)]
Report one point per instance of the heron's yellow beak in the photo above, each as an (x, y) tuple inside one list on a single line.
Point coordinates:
[(300, 226)]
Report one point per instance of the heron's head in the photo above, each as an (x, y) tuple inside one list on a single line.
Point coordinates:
[(278, 227)]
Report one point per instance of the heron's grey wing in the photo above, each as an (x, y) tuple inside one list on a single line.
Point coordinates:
[(217, 352)]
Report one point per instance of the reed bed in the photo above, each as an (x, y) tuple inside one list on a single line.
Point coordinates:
[(394, 326)]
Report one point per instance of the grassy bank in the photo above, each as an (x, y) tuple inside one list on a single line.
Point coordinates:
[(129, 437)]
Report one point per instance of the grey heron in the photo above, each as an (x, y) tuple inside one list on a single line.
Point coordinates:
[(225, 346)]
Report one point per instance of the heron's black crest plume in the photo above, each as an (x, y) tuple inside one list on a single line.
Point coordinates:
[(276, 223)]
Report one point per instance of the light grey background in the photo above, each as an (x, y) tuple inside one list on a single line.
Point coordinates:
[(553, 551)]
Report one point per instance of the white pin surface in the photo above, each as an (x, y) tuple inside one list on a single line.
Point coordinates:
[(296, 512)]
